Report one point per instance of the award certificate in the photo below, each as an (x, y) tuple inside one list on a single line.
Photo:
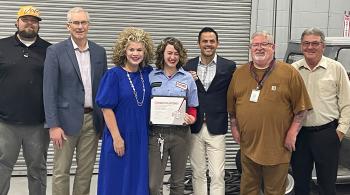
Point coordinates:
[(167, 110)]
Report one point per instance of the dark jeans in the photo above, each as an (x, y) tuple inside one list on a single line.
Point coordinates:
[(320, 146), (34, 141)]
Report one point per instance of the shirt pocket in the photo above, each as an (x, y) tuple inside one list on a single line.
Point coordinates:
[(273, 92), (327, 87), (176, 91)]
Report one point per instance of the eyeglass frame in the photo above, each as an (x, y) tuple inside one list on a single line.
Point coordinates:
[(313, 43), (263, 45), (78, 23)]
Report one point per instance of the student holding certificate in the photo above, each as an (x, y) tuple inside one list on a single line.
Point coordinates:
[(170, 80)]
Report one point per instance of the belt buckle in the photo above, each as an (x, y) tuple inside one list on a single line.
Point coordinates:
[(87, 110)]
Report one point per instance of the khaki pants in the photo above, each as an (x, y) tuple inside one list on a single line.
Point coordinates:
[(273, 177), (86, 147), (204, 144)]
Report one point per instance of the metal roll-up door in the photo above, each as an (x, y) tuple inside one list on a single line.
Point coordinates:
[(182, 19)]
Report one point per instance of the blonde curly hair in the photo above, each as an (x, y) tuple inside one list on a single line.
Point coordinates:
[(128, 35)]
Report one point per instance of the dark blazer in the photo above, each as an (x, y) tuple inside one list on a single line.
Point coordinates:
[(63, 92), (213, 102)]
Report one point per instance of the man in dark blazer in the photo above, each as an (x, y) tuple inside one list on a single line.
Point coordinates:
[(212, 74), (72, 72)]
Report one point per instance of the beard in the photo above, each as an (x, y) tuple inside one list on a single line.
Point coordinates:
[(28, 34), (259, 57), (209, 53)]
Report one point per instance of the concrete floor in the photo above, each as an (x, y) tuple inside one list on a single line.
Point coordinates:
[(19, 187)]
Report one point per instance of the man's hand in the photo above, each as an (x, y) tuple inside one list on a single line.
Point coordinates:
[(340, 135), (235, 135), (291, 138), (293, 130), (57, 136)]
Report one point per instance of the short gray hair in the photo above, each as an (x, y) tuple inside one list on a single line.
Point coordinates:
[(76, 10), (313, 31), (265, 34)]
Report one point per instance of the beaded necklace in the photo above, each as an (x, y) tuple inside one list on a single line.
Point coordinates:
[(139, 103)]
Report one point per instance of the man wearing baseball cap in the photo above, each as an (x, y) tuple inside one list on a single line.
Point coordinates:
[(21, 103)]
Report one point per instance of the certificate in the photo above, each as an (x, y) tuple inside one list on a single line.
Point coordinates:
[(167, 110)]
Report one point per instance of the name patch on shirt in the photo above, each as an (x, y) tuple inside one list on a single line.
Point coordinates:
[(181, 85), (156, 84)]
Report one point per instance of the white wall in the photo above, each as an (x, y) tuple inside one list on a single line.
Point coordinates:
[(325, 14)]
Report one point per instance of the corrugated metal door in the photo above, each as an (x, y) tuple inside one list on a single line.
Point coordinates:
[(182, 19)]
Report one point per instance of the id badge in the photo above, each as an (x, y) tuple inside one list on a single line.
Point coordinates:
[(255, 95)]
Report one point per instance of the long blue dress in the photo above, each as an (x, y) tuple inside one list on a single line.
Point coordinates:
[(126, 175)]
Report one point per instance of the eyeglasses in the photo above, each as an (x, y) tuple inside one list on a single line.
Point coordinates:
[(78, 23), (263, 45), (313, 44)]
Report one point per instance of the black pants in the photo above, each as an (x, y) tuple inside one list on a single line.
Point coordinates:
[(320, 146)]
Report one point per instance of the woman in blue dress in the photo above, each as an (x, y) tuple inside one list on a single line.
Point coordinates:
[(124, 97)]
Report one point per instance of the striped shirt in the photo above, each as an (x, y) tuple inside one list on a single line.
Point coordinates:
[(206, 73), (83, 58)]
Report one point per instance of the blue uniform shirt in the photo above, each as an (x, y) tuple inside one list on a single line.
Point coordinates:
[(180, 84)]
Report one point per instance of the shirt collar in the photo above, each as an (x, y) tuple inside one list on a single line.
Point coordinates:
[(75, 46), (322, 64), (17, 41), (180, 70), (214, 61)]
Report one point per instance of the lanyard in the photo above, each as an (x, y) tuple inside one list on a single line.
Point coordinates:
[(264, 77)]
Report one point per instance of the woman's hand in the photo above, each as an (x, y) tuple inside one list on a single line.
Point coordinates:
[(189, 119), (119, 146), (194, 75), (111, 122)]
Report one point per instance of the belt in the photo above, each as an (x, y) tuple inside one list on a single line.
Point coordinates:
[(321, 127), (88, 110), (168, 128)]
